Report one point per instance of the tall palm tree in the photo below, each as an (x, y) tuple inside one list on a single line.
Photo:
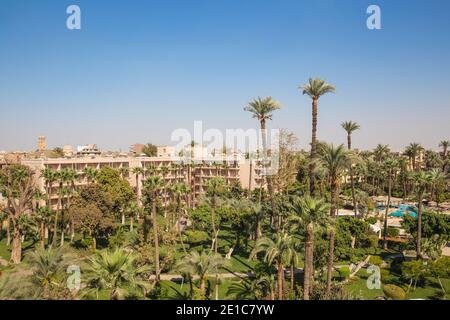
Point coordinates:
[(390, 166), (262, 109), (350, 127), (436, 178), (153, 186), (412, 151), (444, 145), (313, 214), (138, 172), (115, 271), (50, 177), (200, 264), (215, 187), (315, 89), (422, 181), (277, 252), (334, 160), (380, 152), (44, 216)]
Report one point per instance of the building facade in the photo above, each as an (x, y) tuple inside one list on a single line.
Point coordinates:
[(170, 169)]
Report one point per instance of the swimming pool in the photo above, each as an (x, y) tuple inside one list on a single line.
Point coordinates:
[(404, 209)]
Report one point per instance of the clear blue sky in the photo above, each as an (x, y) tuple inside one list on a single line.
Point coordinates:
[(137, 70)]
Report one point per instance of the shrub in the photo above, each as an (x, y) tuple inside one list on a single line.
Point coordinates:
[(344, 273), (393, 232), (372, 241), (386, 276), (376, 260), (372, 220), (394, 292)]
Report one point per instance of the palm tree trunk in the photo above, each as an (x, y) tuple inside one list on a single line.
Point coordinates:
[(42, 237), (385, 246), (268, 179), (312, 178), (332, 232), (280, 278), (419, 224), (8, 231), (307, 270), (16, 251), (330, 261), (155, 237), (292, 278)]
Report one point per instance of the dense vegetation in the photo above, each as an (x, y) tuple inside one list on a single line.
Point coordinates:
[(282, 241)]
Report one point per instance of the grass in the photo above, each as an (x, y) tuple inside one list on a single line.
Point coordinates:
[(430, 288)]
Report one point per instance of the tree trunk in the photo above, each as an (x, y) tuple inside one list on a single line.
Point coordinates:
[(55, 228), (332, 231), (280, 281), (352, 181), (330, 261), (307, 270), (16, 252), (268, 179), (292, 278), (8, 232), (42, 237), (131, 224), (312, 178), (385, 246), (155, 237), (94, 243), (419, 224), (63, 227)]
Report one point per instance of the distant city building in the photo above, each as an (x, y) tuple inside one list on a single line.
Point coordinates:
[(88, 150), (68, 151), (42, 144), (165, 151), (137, 148)]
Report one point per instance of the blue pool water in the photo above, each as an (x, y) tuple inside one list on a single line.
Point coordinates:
[(404, 209)]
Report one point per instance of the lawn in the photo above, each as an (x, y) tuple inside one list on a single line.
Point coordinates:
[(430, 289)]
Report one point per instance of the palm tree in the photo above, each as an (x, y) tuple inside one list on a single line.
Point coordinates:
[(315, 89), (214, 189), (390, 166), (380, 152), (413, 151), (153, 186), (50, 177), (422, 180), (115, 271), (200, 264), (313, 214), (262, 109), (444, 145), (349, 127), (44, 216), (334, 160), (137, 171), (178, 190), (49, 271), (91, 174), (277, 251)]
